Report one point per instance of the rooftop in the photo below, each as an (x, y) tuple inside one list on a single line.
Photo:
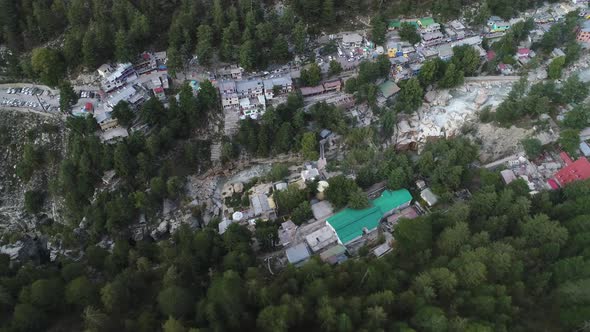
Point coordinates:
[(297, 254), (352, 38), (260, 204), (429, 197), (279, 81), (578, 170), (426, 21), (321, 238), (388, 88), (227, 86), (349, 223), (334, 255)]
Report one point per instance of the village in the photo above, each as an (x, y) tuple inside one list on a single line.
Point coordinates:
[(331, 234)]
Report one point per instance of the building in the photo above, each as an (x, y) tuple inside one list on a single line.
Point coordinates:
[(408, 213), (281, 85), (159, 93), (351, 40), (232, 72), (432, 38), (106, 121), (287, 232), (350, 224), (229, 94), (585, 134), (426, 22), (118, 77), (252, 107), (382, 249), (321, 239), (310, 173), (505, 69), (335, 255), (431, 28), (298, 254), (263, 207), (445, 52), (577, 170), (105, 70), (585, 149), (388, 89), (523, 52), (583, 34), (557, 52), (333, 85), (322, 210), (471, 41), (499, 26), (429, 197), (494, 19), (312, 90), (128, 94), (508, 176), (250, 89)]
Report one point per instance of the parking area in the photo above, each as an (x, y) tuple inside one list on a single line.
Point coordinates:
[(29, 97)]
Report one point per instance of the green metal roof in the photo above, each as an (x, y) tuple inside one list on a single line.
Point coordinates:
[(395, 24), (426, 21), (349, 223), (388, 88)]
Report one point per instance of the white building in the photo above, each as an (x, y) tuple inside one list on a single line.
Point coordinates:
[(250, 89), (350, 40), (284, 84), (229, 94)]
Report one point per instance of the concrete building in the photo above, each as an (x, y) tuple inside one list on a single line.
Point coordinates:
[(298, 254), (250, 89), (350, 40), (333, 85), (429, 197), (106, 121), (508, 176), (282, 84), (574, 171), (335, 255), (252, 107), (583, 35), (262, 207), (229, 94), (287, 232), (432, 38), (321, 239), (232, 72)]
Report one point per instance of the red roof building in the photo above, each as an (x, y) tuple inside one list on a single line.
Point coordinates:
[(578, 170), (523, 52), (553, 184), (88, 107), (566, 158), (491, 55)]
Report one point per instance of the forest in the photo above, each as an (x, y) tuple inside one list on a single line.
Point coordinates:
[(500, 261), (255, 33)]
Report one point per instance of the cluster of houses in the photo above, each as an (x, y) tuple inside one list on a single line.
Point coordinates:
[(131, 83), (437, 40), (335, 235), (250, 97)]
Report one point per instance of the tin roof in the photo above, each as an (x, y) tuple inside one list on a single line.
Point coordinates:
[(349, 223)]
